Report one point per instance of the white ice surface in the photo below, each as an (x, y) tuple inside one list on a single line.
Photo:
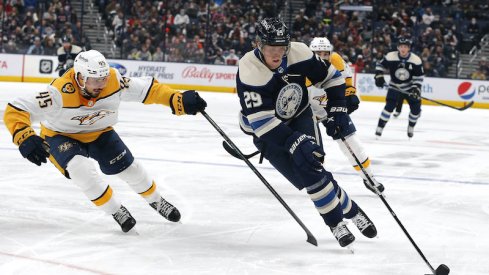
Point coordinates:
[(437, 183)]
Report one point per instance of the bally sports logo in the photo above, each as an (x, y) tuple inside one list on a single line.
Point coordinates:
[(466, 90)]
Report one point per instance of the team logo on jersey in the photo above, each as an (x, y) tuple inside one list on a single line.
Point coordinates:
[(466, 90), (289, 100), (91, 118), (402, 74), (63, 147), (322, 99), (68, 88)]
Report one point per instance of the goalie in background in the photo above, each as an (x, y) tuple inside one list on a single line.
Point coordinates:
[(323, 48), (77, 112)]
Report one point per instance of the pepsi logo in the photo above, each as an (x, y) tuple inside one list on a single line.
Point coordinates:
[(466, 90)]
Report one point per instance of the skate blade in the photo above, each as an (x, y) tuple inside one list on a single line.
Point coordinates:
[(350, 248), (132, 232)]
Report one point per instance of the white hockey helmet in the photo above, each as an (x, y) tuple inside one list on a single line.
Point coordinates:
[(91, 64), (321, 44)]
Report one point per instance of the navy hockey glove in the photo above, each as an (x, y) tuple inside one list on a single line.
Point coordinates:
[(415, 93), (35, 149), (379, 80), (305, 152), (188, 102), (352, 100), (338, 118)]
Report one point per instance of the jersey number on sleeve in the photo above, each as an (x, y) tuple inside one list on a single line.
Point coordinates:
[(44, 99), (252, 99)]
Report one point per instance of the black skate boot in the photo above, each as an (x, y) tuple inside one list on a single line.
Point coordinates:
[(124, 219), (410, 131), (377, 185), (342, 234), (364, 224), (166, 209), (378, 131)]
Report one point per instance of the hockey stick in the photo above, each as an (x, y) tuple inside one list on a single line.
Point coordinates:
[(442, 269), (310, 238), (233, 153), (465, 107)]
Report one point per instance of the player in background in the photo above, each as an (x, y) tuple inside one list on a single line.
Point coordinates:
[(271, 85), (406, 72), (77, 112), (319, 99), (66, 55)]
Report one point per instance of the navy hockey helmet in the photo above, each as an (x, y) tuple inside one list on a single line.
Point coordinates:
[(405, 41), (272, 31)]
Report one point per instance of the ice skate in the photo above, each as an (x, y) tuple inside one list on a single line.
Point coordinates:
[(377, 185), (396, 114), (124, 219), (166, 209), (378, 131), (410, 131), (364, 224), (342, 234)]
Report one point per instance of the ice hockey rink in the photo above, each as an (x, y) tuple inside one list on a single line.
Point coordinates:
[(437, 184)]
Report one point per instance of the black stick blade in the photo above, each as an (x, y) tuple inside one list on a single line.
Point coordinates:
[(466, 106), (442, 270), (313, 241)]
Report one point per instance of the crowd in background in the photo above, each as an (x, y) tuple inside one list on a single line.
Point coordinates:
[(221, 31), (38, 27)]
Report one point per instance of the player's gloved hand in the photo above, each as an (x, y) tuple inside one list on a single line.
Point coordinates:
[(304, 150), (352, 100), (338, 118), (415, 93), (188, 102), (35, 149), (379, 80)]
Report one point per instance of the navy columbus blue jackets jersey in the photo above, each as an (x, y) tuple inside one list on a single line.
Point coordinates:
[(271, 98), (405, 72)]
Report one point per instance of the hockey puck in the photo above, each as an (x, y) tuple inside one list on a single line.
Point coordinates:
[(442, 270)]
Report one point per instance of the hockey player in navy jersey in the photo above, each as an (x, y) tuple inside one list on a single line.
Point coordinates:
[(77, 112), (271, 85), (406, 72)]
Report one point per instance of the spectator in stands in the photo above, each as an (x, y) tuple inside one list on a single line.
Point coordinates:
[(181, 19), (158, 54), (231, 59), (478, 75), (144, 54), (36, 48)]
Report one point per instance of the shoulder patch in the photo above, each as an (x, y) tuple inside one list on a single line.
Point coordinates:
[(392, 56), (415, 59), (68, 88), (252, 71), (298, 52)]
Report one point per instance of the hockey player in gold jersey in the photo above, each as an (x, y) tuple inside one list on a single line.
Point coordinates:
[(77, 112), (324, 50)]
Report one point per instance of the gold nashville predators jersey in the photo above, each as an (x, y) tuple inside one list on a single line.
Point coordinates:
[(62, 109), (318, 97)]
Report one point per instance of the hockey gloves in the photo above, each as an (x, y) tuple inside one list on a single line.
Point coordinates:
[(379, 80), (338, 118), (415, 93), (352, 100), (188, 102), (35, 149), (305, 152)]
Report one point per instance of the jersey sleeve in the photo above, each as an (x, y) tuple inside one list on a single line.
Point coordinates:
[(146, 90), (418, 74), (345, 70), (21, 112)]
